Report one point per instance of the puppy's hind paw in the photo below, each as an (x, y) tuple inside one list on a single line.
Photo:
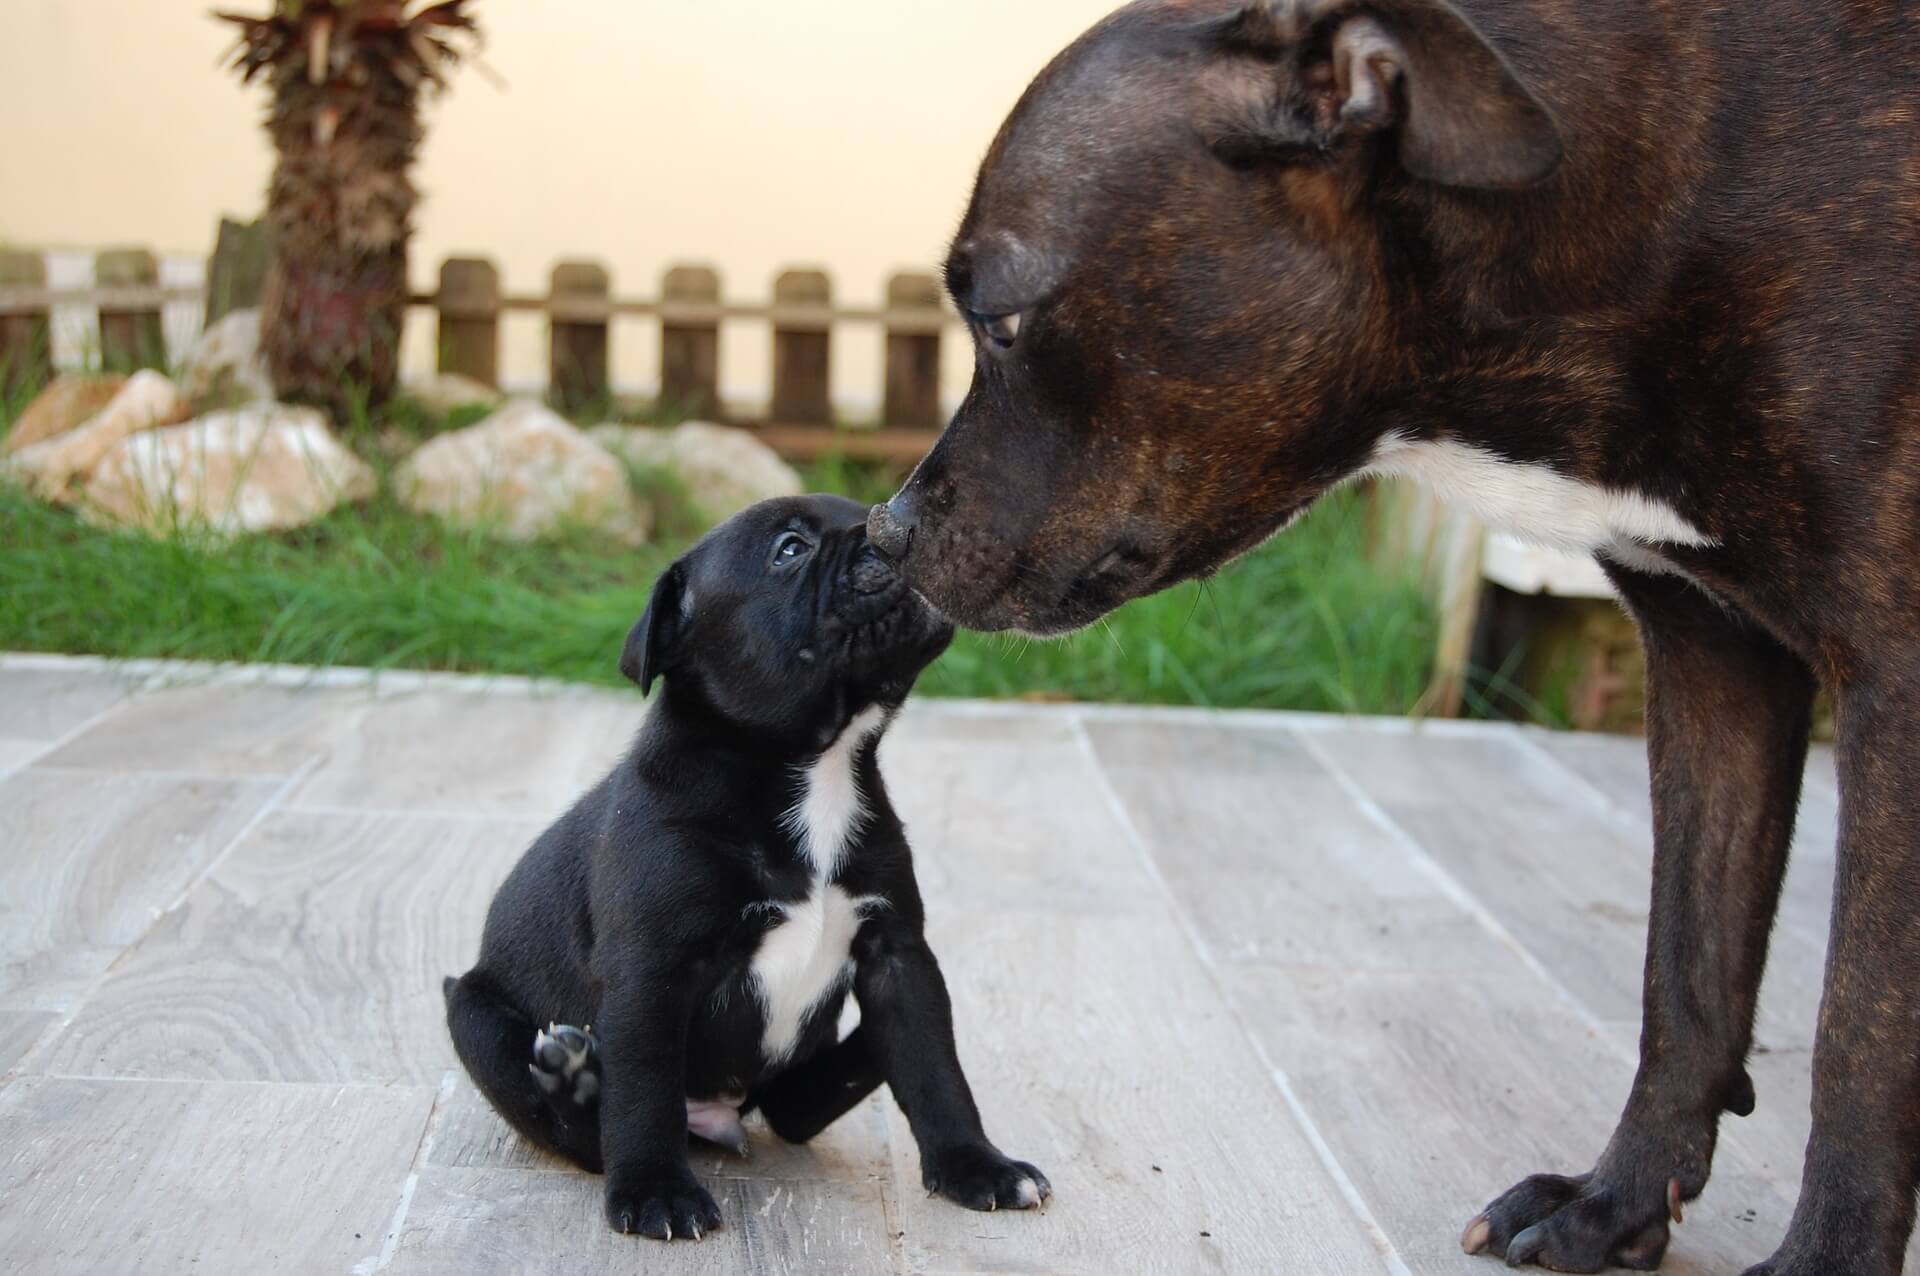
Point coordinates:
[(566, 1064), (980, 1177)]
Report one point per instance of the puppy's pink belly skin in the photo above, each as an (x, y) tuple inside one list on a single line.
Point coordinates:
[(718, 1121)]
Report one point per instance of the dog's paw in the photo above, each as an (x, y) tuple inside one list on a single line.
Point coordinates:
[(566, 1064), (979, 1177), (667, 1205), (1574, 1224)]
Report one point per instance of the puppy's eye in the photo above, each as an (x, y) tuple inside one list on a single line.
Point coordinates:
[(1002, 330), (791, 547)]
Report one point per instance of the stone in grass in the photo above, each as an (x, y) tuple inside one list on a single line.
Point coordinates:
[(225, 368), (723, 470), (523, 472), (55, 468), (69, 400), (445, 393), (262, 468)]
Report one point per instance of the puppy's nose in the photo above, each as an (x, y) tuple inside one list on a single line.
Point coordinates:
[(872, 572), (890, 526)]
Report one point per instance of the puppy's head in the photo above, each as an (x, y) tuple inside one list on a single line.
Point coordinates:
[(1176, 264), (786, 621)]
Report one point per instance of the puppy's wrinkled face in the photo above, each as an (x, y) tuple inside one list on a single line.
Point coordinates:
[(784, 619), (1175, 269)]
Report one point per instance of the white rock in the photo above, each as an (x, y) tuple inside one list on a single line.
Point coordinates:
[(524, 472), (724, 470), (225, 368), (53, 467), (444, 392), (265, 467)]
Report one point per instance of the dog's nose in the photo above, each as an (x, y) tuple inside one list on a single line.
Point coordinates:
[(890, 526)]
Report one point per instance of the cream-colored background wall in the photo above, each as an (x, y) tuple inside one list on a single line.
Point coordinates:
[(752, 134)]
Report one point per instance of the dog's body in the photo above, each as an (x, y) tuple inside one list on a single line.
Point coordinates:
[(697, 919), (1635, 278)]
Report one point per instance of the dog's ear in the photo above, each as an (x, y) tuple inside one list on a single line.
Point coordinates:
[(650, 645), (1419, 69)]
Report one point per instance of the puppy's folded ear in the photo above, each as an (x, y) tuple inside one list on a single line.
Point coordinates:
[(649, 647)]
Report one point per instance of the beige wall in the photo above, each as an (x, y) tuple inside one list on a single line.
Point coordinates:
[(753, 134)]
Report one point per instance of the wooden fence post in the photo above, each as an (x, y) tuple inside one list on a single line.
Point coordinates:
[(579, 311), (690, 344), (26, 336), (469, 316), (912, 394), (237, 271), (130, 335), (802, 385)]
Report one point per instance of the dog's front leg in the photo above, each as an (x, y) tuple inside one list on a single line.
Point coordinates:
[(1728, 712), (1857, 1187), (909, 1020), (645, 1010)]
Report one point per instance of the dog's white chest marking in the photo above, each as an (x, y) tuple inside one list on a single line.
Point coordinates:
[(807, 956), (1537, 504)]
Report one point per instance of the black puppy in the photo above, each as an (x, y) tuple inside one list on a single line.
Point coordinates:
[(701, 913)]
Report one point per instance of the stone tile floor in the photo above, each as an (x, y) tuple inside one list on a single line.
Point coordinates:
[(1262, 993)]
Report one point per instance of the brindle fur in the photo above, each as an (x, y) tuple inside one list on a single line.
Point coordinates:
[(1233, 287)]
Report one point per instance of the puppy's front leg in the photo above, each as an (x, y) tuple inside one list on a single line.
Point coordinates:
[(906, 1013), (644, 1015)]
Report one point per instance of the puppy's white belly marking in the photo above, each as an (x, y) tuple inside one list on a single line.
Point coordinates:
[(1536, 503), (803, 960)]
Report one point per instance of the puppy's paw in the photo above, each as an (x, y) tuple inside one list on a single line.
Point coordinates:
[(667, 1205), (566, 1064), (979, 1177)]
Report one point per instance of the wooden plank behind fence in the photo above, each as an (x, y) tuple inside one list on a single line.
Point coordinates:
[(237, 271), (690, 347), (912, 395), (579, 303), (130, 337), (469, 306), (26, 339), (802, 380)]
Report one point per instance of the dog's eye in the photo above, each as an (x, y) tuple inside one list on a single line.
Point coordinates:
[(1000, 329), (791, 546)]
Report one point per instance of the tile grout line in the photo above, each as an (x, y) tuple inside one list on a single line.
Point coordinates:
[(219, 857), (1342, 1181), (1592, 794), (429, 1129), (1455, 891)]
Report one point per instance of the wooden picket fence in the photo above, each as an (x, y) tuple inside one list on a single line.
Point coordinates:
[(581, 309)]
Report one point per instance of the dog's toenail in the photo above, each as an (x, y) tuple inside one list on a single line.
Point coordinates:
[(1673, 1199), (1478, 1233)]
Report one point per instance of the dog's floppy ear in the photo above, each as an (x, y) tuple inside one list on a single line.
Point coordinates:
[(1460, 115), (650, 645)]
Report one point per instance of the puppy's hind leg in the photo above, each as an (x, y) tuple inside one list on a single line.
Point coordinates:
[(497, 1043), (805, 1100)]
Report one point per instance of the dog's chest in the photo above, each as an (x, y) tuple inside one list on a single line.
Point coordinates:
[(807, 955), (1539, 504)]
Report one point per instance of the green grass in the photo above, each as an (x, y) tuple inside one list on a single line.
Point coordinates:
[(1304, 623)]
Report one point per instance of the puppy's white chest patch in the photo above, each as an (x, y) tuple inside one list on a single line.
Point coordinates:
[(1536, 503), (808, 956)]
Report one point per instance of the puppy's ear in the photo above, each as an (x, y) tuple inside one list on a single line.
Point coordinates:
[(1415, 69), (650, 646)]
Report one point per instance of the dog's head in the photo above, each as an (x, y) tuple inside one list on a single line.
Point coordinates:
[(786, 621), (1176, 268)]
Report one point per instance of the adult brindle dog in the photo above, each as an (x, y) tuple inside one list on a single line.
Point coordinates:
[(1633, 277)]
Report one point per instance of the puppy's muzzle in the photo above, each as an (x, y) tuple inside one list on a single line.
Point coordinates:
[(873, 587)]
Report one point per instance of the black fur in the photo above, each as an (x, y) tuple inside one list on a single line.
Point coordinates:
[(640, 911)]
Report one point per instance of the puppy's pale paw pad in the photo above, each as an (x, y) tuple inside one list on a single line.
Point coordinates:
[(566, 1064), (980, 1177)]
